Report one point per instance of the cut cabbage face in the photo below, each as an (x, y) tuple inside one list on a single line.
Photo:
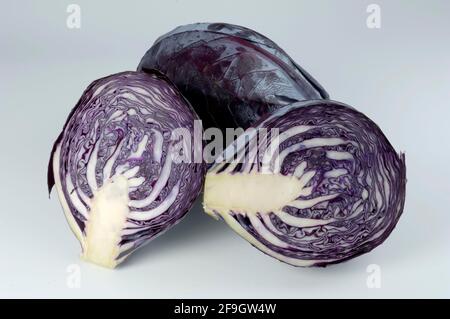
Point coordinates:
[(113, 165), (320, 186)]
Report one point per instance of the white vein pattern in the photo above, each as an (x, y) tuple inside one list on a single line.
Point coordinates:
[(114, 167), (305, 198)]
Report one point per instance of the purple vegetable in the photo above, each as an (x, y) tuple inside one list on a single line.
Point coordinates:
[(231, 75), (114, 167), (328, 187)]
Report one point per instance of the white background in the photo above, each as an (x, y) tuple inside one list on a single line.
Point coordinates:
[(398, 75)]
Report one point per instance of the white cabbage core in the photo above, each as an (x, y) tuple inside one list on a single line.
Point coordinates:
[(107, 219), (257, 195), (250, 193)]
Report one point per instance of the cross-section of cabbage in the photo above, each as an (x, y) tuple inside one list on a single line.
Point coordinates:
[(114, 169), (313, 184)]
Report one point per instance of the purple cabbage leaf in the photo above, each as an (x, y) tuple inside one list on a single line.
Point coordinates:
[(231, 75)]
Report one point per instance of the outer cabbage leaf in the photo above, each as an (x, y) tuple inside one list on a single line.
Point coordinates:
[(113, 165), (328, 187), (231, 75)]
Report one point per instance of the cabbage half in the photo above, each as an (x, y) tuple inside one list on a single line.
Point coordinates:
[(113, 165), (324, 188)]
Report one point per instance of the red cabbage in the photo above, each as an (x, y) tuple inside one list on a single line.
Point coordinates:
[(328, 187), (231, 75), (113, 165)]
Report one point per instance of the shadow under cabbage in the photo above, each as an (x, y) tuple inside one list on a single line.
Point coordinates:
[(193, 229)]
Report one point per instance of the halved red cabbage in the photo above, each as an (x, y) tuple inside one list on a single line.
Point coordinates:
[(113, 166), (328, 187), (231, 75)]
